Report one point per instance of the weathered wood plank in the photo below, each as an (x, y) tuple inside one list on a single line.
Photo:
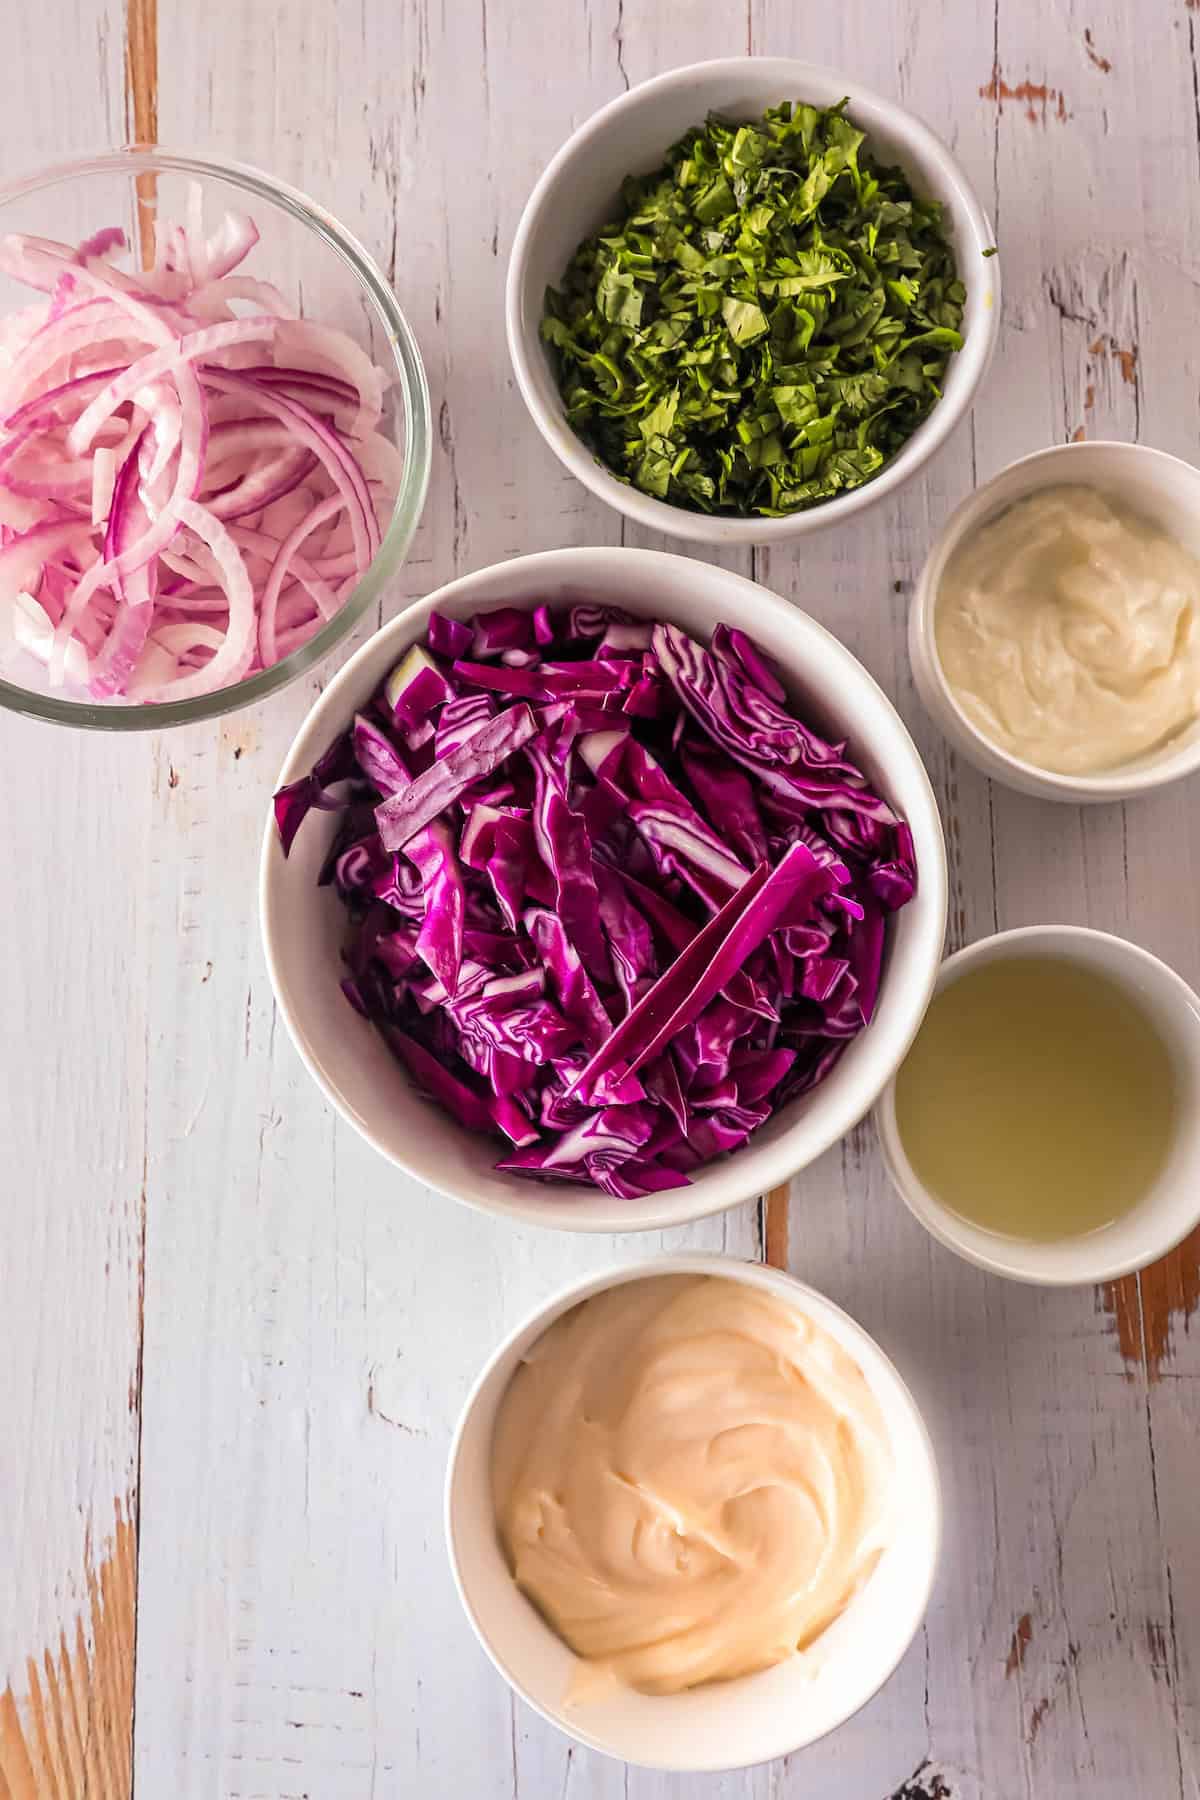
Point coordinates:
[(72, 1130)]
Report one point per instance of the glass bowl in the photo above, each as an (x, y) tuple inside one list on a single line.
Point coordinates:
[(326, 274)]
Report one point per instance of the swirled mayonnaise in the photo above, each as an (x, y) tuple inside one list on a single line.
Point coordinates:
[(1068, 631), (691, 1481)]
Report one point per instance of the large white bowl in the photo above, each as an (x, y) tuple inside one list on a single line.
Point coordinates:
[(631, 135), (303, 926), (1165, 490), (728, 1724)]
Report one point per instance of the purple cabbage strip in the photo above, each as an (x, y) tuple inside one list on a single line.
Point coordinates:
[(462, 1102), (507, 628), (440, 939), (293, 802), (378, 758), (402, 815), (577, 997), (449, 637), (562, 840), (726, 793), (630, 939)]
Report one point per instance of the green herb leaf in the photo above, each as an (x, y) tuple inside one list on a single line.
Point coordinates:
[(766, 321), (744, 321)]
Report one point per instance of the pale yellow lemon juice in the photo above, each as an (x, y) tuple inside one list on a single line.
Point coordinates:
[(1038, 1100)]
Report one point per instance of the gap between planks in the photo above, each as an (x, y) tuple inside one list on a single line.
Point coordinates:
[(774, 1226), (141, 107)]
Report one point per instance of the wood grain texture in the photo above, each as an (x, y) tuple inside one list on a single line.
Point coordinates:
[(141, 71), (70, 1735), (775, 1229), (141, 106), (1150, 1307), (311, 1320)]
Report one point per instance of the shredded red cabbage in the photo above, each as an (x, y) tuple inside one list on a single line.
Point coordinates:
[(615, 937)]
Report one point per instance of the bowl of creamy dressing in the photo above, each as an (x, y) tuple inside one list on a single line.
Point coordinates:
[(1055, 630), (693, 1513)]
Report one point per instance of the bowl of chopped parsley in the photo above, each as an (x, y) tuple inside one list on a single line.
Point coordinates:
[(749, 298)]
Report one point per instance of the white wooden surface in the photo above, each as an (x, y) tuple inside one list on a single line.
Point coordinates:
[(223, 1321)]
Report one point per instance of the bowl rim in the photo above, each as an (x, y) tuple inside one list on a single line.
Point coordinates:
[(1017, 1259), (930, 435), (409, 378), (770, 1165), (793, 1291), (1125, 780)]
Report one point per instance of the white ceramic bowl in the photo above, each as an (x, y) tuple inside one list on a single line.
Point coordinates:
[(728, 1724), (1172, 1207), (303, 925), (1161, 487), (576, 195)]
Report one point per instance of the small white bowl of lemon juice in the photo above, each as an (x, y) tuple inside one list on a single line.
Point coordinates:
[(1046, 1121)]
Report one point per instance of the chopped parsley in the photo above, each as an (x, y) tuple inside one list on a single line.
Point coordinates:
[(765, 324)]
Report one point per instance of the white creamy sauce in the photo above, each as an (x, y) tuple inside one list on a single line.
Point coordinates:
[(1068, 629)]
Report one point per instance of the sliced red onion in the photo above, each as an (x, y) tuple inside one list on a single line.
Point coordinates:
[(167, 361), (325, 445), (117, 658), (267, 647), (229, 245), (104, 476), (186, 493), (102, 243), (306, 573), (232, 660)]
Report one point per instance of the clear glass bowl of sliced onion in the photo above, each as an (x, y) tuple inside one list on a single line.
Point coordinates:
[(214, 438)]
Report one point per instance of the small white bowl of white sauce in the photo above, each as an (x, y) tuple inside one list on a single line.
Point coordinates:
[(720, 1503), (1055, 630)]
